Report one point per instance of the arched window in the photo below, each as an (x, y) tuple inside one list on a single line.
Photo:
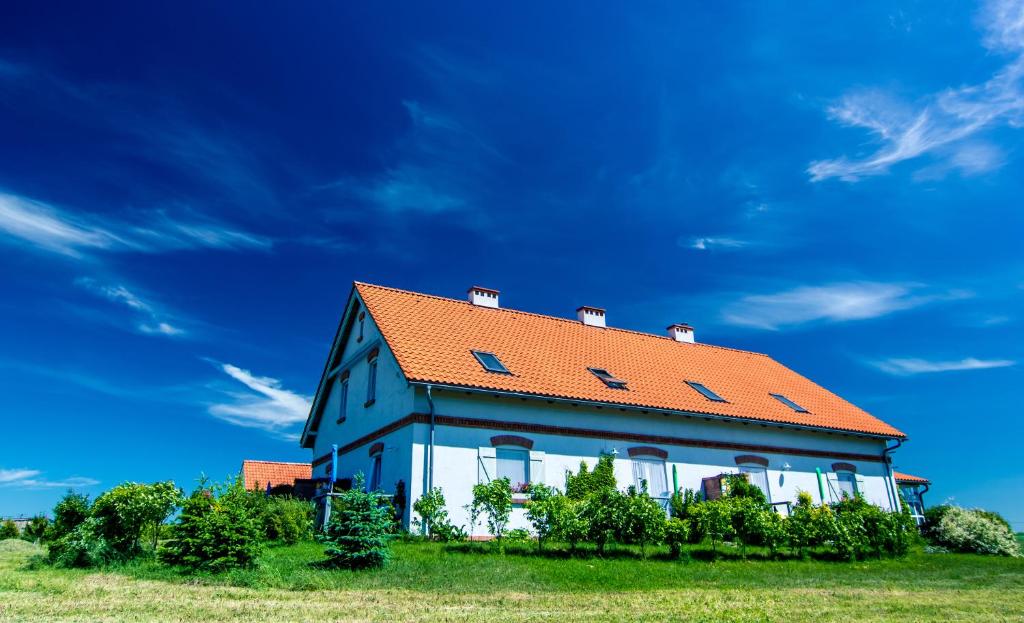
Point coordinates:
[(756, 469), (376, 454), (846, 478)]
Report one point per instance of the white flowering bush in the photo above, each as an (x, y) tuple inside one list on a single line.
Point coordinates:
[(967, 530)]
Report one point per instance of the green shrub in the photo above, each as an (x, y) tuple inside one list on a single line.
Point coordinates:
[(571, 521), (966, 530), (126, 510), (286, 519), (586, 483), (714, 519), (641, 520), (738, 486), (603, 510), (800, 525), (9, 530), (434, 519), (494, 500), (218, 528), (359, 532), (542, 511), (518, 535), (36, 528), (70, 511), (677, 533), (83, 546)]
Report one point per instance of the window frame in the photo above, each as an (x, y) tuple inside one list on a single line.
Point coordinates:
[(376, 471), (789, 403), (371, 380), (519, 451), (609, 379), (480, 354), (343, 397), (706, 391)]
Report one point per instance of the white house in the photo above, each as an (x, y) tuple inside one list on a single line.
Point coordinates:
[(434, 391)]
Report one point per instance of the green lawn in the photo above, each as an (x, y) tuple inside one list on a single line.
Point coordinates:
[(427, 581)]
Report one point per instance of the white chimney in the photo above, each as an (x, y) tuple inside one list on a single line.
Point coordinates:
[(591, 316), (681, 333), (484, 297)]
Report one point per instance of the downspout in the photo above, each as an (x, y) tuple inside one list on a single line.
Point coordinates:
[(675, 479), (330, 489), (430, 450), (890, 484)]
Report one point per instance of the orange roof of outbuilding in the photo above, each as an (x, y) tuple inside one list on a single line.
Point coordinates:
[(901, 477), (433, 337), (260, 473)]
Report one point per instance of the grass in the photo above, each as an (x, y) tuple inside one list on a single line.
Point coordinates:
[(429, 581)]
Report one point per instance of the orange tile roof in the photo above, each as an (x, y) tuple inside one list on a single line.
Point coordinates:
[(431, 337), (901, 477), (259, 473)]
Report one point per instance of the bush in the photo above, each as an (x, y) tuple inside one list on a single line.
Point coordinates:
[(70, 511), (286, 519), (966, 530), (493, 499), (641, 520), (542, 511), (9, 530), (434, 517), (36, 528), (84, 546), (359, 531), (603, 510), (677, 532), (714, 519), (123, 512), (571, 521), (218, 528), (586, 483)]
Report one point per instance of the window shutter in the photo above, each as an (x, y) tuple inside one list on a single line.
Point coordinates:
[(832, 482), (536, 466), (860, 484), (486, 464)]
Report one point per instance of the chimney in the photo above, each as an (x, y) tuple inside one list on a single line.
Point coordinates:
[(591, 316), (484, 297), (681, 332)]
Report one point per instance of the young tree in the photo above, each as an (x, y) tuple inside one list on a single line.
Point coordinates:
[(542, 511), (129, 508), (360, 529), (493, 499), (641, 521), (36, 528), (70, 511)]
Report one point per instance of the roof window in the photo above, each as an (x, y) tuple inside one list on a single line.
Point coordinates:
[(707, 393), (789, 403), (607, 378), (490, 362)]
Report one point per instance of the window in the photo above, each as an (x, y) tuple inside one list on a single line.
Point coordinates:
[(607, 378), (758, 476), (789, 403), (652, 471), (371, 382), (342, 397), (362, 322), (375, 472), (707, 393), (847, 484), (513, 464), (490, 362)]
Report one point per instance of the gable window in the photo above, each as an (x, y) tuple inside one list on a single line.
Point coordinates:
[(789, 403), (650, 470), (371, 378), (514, 464), (704, 391), (490, 362), (607, 378), (342, 396), (362, 323)]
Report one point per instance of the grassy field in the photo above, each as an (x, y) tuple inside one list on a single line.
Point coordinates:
[(427, 581)]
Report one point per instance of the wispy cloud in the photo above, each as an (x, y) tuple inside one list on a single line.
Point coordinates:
[(837, 302), (266, 406), (909, 366), (30, 479), (150, 320), (717, 242), (44, 226), (942, 123)]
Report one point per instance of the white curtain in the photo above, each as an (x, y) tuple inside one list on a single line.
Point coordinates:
[(758, 477), (653, 471)]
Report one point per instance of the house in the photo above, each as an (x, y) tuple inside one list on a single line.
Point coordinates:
[(913, 489), (276, 476), (422, 391)]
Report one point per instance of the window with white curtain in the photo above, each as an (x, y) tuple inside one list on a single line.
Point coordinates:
[(758, 475), (652, 471), (847, 483), (513, 464)]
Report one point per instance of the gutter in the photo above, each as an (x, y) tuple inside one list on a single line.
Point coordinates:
[(891, 480), (614, 405)]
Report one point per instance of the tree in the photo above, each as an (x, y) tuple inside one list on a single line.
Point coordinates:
[(36, 528), (542, 511), (358, 533), (714, 519), (641, 520), (70, 511), (434, 517), (493, 499), (9, 530), (129, 508)]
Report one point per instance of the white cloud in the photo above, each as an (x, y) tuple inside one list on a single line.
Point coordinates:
[(941, 122), (704, 244), (266, 406), (908, 366), (836, 302), (151, 320), (47, 227), (28, 479)]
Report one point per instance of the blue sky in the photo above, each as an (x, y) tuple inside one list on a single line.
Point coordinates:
[(187, 191)]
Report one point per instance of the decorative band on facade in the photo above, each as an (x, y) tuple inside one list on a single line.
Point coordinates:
[(844, 467), (512, 440), (748, 459), (647, 451), (377, 448)]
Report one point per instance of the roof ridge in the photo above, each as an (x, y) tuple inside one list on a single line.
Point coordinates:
[(550, 317)]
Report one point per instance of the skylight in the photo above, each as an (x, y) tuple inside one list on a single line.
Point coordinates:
[(789, 403), (490, 362), (608, 379), (707, 393)]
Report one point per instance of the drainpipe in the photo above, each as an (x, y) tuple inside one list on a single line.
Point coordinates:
[(330, 489), (890, 484), (821, 487), (430, 450), (675, 479)]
